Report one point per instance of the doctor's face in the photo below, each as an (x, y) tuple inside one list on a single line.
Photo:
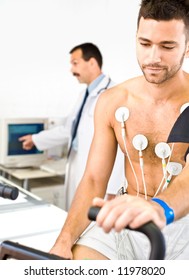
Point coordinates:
[(80, 68)]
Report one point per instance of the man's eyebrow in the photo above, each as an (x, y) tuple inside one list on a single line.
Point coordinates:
[(166, 42)]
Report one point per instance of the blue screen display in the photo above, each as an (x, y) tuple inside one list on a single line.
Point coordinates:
[(15, 131)]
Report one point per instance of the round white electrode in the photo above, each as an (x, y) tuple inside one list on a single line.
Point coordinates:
[(162, 150), (122, 114), (140, 142), (174, 168)]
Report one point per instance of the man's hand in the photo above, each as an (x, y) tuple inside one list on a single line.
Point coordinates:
[(61, 249), (27, 142), (128, 210)]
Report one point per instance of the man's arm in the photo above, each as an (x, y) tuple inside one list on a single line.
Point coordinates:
[(94, 182)]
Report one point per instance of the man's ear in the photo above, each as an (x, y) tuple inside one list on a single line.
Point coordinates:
[(94, 62)]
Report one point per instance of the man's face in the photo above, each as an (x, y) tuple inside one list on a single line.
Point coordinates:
[(79, 67), (161, 48)]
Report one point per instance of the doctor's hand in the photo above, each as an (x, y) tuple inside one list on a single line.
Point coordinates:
[(27, 142), (128, 210)]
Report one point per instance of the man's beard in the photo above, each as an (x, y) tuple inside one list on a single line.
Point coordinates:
[(165, 74)]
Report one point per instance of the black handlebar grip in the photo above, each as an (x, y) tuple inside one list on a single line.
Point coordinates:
[(11, 249), (154, 234), (9, 192)]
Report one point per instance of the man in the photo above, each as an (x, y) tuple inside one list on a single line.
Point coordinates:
[(86, 65), (150, 108)]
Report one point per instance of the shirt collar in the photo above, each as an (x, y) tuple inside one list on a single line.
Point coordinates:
[(95, 83)]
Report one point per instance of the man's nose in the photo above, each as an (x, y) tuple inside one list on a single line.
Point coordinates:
[(154, 55)]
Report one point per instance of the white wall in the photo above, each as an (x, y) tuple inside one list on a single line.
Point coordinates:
[(35, 39)]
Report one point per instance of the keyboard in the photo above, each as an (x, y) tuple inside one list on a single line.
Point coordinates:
[(56, 167)]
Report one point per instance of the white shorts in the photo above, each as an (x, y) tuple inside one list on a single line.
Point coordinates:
[(132, 245)]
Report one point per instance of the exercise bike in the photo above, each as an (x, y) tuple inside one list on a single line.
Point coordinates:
[(14, 250), (153, 233)]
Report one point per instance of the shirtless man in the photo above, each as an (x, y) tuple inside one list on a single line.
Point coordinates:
[(150, 106)]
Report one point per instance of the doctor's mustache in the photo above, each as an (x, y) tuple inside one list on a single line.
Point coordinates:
[(75, 74)]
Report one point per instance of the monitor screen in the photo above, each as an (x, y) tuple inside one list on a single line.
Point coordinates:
[(11, 152), (15, 131)]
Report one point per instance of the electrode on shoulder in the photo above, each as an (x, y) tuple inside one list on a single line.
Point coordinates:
[(122, 114)]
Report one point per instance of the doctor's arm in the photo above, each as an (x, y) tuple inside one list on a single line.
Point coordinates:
[(93, 183), (27, 142), (46, 139), (50, 138)]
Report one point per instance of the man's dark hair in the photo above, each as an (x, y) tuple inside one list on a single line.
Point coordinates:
[(89, 50), (165, 10)]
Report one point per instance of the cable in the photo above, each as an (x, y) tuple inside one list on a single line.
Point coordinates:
[(127, 154)]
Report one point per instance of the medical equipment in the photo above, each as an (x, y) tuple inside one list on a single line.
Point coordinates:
[(140, 143), (180, 131), (174, 168), (12, 154), (121, 115), (162, 149), (106, 86)]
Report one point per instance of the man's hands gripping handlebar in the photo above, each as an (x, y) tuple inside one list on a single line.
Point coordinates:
[(128, 210), (107, 219), (123, 211)]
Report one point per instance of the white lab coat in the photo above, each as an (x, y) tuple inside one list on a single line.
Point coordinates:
[(77, 159)]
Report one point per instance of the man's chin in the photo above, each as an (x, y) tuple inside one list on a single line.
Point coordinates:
[(153, 80)]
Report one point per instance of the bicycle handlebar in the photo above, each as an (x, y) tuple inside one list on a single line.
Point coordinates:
[(14, 250), (153, 233)]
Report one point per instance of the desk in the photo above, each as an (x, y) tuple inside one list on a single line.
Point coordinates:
[(29, 220), (45, 171)]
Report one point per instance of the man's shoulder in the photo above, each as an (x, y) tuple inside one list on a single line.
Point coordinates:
[(121, 90), (127, 85)]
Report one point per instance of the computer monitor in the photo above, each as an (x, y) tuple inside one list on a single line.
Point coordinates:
[(12, 155)]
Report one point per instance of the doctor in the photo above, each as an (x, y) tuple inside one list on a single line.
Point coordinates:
[(86, 65)]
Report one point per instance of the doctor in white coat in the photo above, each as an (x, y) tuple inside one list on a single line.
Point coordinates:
[(86, 66)]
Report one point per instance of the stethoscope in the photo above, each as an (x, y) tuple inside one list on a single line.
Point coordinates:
[(104, 88), (98, 92)]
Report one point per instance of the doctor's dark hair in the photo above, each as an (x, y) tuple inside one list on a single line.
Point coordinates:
[(165, 10), (89, 50)]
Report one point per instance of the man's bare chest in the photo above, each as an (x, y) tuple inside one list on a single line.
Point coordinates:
[(154, 125)]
